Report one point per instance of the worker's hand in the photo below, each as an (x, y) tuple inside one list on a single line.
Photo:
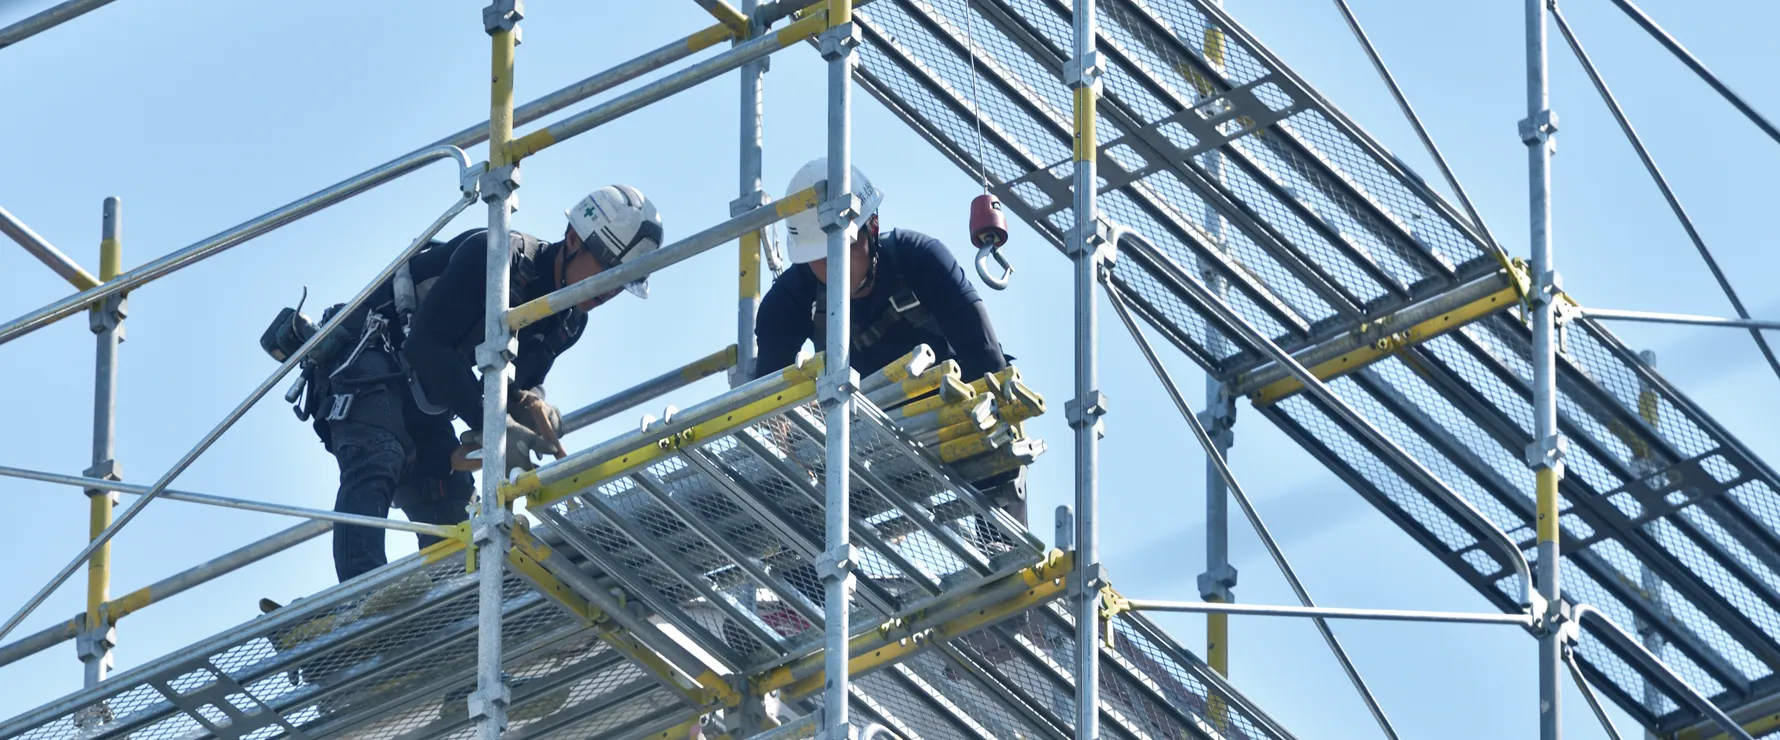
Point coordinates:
[(542, 417)]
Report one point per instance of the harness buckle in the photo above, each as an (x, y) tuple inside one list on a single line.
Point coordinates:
[(341, 405), (900, 307)]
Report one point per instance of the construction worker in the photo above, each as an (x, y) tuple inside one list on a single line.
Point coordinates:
[(374, 407), (907, 290)]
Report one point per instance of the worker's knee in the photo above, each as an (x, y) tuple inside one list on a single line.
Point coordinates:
[(436, 500)]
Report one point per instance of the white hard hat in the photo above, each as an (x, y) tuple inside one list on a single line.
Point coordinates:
[(617, 223), (804, 239)]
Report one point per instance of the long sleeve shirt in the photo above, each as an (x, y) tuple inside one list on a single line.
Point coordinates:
[(959, 326), (447, 326)]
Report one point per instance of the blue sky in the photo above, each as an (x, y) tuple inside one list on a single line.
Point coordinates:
[(200, 114)]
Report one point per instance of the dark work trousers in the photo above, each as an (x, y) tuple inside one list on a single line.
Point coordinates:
[(372, 467)]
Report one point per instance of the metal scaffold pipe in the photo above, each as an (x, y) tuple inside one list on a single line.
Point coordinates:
[(1699, 68), (492, 523), (1220, 468), (185, 461), (225, 502), (1653, 317), (254, 227), (667, 382), (1662, 184), (106, 321), (752, 195), (130, 603), (45, 252), (1325, 612), (402, 165), (1545, 455), (838, 384), (48, 19), (1088, 405)]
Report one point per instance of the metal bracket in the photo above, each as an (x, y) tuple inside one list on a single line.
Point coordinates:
[(492, 357), (484, 533), (1541, 127), (109, 315), (95, 642), (1084, 71), (499, 184), (838, 41), (1548, 453), (107, 470), (748, 203), (502, 15), (1088, 414), (1063, 537), (1093, 243), (1097, 578), (469, 181), (492, 702), (838, 214), (1215, 584), (830, 391), (838, 563)]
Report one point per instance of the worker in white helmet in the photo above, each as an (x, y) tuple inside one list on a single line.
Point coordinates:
[(907, 290), (383, 404)]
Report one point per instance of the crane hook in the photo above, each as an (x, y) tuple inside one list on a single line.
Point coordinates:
[(988, 231)]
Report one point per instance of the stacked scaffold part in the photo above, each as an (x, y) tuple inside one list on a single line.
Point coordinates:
[(975, 427)]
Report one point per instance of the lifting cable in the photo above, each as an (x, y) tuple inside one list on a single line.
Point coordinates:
[(1662, 183), (1117, 299), (988, 225)]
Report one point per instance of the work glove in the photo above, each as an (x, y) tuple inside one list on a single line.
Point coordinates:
[(522, 444), (542, 417)]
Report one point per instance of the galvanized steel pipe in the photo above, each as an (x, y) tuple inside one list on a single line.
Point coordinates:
[(45, 252)]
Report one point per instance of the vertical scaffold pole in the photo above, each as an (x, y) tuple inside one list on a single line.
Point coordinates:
[(749, 718), (491, 526), (839, 214), (1545, 455), (752, 196), (1219, 419), (98, 636), (1085, 410)]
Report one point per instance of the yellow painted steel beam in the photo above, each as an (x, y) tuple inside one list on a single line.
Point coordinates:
[(1044, 582), (1391, 344), (921, 385), (727, 15), (500, 99), (538, 494), (748, 266), (100, 505), (949, 396), (711, 364)]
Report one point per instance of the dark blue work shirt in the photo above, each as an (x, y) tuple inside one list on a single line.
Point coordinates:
[(958, 327)]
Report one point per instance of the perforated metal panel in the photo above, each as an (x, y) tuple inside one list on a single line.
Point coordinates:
[(1249, 182)]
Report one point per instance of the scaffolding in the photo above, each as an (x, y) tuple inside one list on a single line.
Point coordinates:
[(797, 558)]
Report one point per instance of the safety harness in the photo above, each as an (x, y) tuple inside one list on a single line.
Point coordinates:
[(904, 309)]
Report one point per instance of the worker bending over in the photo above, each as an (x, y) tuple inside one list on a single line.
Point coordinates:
[(906, 288), (374, 405), (907, 291)]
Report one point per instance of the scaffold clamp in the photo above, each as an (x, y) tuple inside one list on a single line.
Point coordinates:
[(838, 563)]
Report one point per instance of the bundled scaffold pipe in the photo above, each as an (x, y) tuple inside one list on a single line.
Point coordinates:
[(976, 426)]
